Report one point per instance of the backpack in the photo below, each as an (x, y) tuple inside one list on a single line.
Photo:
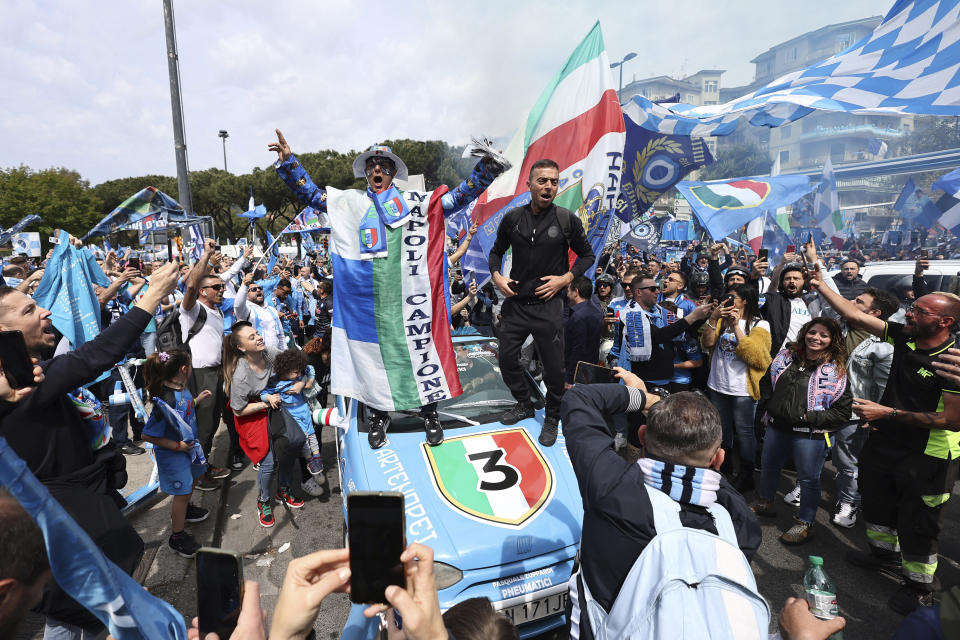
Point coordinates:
[(687, 583), (169, 333)]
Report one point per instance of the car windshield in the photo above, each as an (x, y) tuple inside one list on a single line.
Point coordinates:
[(900, 284), (484, 397)]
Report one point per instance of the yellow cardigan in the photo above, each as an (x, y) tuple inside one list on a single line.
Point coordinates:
[(754, 350)]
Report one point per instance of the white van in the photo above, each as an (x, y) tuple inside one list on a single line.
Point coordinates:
[(896, 276)]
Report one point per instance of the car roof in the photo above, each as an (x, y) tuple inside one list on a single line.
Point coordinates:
[(907, 267)]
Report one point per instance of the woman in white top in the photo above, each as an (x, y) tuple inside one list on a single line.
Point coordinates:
[(739, 344)]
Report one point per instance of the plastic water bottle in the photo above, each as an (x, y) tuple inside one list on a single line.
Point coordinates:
[(821, 593)]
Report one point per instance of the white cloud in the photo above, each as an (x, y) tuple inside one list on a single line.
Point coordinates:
[(85, 84)]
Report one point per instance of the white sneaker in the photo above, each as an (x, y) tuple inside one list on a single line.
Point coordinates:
[(793, 497), (846, 515), (619, 441), (312, 487)]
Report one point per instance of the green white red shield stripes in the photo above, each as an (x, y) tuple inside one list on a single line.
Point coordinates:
[(499, 476), (738, 194)]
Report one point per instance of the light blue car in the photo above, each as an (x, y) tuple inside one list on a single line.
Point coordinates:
[(502, 513)]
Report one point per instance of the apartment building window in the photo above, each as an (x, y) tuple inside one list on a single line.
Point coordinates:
[(784, 157), (707, 102), (710, 86), (837, 151), (785, 131)]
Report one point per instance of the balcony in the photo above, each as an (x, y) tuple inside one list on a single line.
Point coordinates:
[(852, 129)]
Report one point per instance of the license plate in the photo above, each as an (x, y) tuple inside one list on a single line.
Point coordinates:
[(536, 609)]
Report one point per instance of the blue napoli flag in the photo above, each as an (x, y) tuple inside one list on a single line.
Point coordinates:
[(66, 289), (127, 610), (775, 239), (907, 65), (916, 209), (106, 246), (175, 420), (724, 206), (652, 163), (22, 224), (274, 252), (92, 270), (458, 222), (949, 203), (196, 237), (255, 213)]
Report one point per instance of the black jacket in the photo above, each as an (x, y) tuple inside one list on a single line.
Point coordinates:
[(46, 431), (849, 290), (617, 514), (787, 406)]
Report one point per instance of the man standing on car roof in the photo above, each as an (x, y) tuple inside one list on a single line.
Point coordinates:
[(541, 234)]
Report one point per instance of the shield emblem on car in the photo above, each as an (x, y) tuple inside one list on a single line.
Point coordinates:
[(497, 476)]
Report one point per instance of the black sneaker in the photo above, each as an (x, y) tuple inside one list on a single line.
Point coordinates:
[(520, 411), (887, 564), (205, 483), (237, 461), (130, 449), (184, 544), (218, 473), (196, 514), (548, 435), (908, 599), (377, 435), (431, 424)]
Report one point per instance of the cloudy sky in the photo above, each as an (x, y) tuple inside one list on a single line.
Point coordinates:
[(85, 84)]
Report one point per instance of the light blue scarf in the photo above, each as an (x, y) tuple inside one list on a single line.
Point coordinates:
[(387, 209)]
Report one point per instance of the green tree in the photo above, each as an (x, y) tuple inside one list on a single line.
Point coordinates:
[(931, 134), (60, 196), (737, 161)]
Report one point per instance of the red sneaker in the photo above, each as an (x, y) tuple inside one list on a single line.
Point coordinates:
[(266, 514), (284, 495)]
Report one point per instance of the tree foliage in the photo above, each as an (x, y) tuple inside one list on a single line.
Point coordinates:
[(737, 161), (65, 200)]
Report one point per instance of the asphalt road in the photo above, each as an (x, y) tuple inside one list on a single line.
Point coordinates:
[(319, 525)]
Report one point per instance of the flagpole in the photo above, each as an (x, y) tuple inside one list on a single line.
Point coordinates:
[(267, 252)]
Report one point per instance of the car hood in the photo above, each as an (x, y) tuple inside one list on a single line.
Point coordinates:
[(489, 495)]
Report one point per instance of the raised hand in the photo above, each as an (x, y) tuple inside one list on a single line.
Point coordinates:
[(280, 147)]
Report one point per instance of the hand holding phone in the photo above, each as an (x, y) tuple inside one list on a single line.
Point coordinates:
[(220, 591), (377, 537), (588, 373), (764, 253), (15, 360)]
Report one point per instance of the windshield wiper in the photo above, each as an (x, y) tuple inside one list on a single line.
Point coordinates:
[(456, 416)]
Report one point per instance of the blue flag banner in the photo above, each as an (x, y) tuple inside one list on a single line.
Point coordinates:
[(66, 289), (22, 224), (678, 231), (775, 240), (916, 209), (92, 270), (81, 569), (653, 163), (174, 419), (644, 236), (907, 65), (722, 207), (274, 252), (196, 237), (949, 203), (255, 213)]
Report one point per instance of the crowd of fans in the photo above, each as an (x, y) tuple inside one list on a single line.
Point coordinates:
[(731, 368)]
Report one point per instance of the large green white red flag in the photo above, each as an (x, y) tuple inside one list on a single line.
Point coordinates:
[(577, 122)]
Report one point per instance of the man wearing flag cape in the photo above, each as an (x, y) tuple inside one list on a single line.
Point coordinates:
[(391, 348)]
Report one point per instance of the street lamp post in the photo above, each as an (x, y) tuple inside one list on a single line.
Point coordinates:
[(614, 65), (224, 135)]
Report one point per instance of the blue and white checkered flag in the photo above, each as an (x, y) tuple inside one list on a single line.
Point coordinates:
[(196, 237), (907, 65)]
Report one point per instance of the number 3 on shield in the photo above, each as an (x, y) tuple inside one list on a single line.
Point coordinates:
[(510, 475)]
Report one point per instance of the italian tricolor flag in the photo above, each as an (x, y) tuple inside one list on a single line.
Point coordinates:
[(576, 122), (737, 194)]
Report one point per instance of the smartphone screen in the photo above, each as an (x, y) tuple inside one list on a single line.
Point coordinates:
[(133, 263), (219, 591), (376, 535), (763, 254), (791, 248), (728, 301), (15, 360), (587, 373), (924, 254)]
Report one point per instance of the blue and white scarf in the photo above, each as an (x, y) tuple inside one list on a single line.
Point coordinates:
[(826, 383), (689, 485), (637, 344), (387, 209)]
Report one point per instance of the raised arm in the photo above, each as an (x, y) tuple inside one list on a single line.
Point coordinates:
[(296, 177), (237, 266), (462, 249), (195, 275), (846, 308), (470, 189)]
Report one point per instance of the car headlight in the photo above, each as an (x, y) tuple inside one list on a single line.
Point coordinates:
[(446, 575)]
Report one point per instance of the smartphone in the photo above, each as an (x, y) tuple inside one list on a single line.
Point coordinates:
[(376, 534), (587, 373), (764, 254), (219, 591), (924, 254), (15, 359), (728, 301), (791, 248), (133, 263)]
